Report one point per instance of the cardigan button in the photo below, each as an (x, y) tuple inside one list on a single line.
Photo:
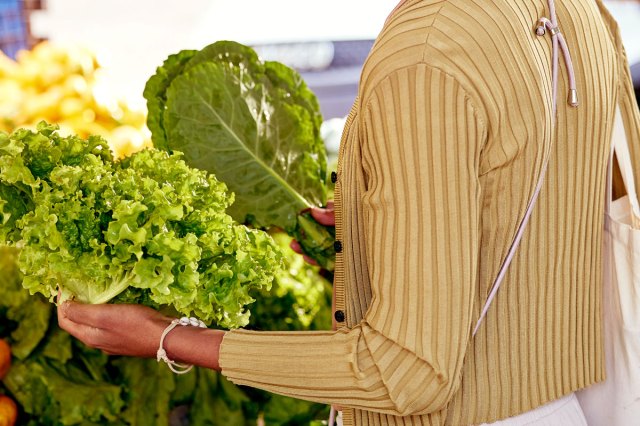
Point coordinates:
[(334, 177), (337, 246), (339, 316)]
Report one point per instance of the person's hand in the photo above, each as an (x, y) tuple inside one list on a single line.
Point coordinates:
[(324, 216), (130, 330), (134, 330)]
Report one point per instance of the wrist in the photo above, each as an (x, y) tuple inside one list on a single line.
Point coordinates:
[(193, 345)]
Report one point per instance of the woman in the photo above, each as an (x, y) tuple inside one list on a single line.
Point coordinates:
[(441, 155)]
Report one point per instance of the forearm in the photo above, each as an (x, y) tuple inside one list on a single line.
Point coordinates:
[(358, 368), (196, 346)]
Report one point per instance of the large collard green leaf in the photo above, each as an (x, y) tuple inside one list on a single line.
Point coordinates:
[(155, 91), (230, 52), (293, 87), (229, 117), (286, 82)]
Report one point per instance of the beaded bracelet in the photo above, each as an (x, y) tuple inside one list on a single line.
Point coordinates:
[(162, 354)]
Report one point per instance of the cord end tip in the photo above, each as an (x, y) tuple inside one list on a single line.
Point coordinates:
[(573, 98)]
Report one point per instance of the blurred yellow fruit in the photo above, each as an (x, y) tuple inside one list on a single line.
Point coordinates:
[(70, 107), (58, 84), (75, 85), (8, 68), (125, 140)]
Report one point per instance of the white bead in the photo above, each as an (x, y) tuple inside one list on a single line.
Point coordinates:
[(184, 321), (194, 321)]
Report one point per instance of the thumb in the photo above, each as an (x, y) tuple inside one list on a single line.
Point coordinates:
[(324, 216)]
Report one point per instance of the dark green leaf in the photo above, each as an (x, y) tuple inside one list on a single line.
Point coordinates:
[(56, 396), (260, 136), (148, 386), (30, 315), (155, 90), (214, 404)]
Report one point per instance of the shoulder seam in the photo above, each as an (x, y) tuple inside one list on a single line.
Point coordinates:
[(468, 97), (426, 40)]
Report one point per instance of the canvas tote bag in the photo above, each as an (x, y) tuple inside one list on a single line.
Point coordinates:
[(616, 401)]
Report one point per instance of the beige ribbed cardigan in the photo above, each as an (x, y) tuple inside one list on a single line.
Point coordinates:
[(438, 161)]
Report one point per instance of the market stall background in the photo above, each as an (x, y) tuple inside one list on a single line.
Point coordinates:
[(134, 37)]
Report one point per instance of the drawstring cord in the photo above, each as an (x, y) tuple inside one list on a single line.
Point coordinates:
[(332, 416), (558, 40)]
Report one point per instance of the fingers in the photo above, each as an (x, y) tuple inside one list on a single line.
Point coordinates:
[(309, 260), (86, 333), (295, 246), (324, 216), (80, 313)]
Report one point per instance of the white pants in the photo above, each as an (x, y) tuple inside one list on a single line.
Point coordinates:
[(565, 411)]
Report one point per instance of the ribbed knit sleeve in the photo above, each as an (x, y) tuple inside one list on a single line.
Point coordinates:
[(420, 152)]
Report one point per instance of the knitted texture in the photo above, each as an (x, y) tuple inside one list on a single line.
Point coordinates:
[(440, 156)]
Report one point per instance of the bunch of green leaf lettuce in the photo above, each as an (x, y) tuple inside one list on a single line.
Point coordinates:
[(148, 227), (255, 125), (52, 372)]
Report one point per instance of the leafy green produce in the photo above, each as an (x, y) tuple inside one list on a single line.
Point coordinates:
[(62, 394), (148, 386), (284, 411), (28, 317), (150, 222), (256, 126), (54, 370), (155, 93), (217, 402), (299, 299)]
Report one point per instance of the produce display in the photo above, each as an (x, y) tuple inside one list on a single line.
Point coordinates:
[(149, 228), (5, 358), (256, 126), (8, 411), (60, 84), (56, 380)]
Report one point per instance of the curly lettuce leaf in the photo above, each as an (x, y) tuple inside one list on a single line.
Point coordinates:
[(151, 222), (299, 299)]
